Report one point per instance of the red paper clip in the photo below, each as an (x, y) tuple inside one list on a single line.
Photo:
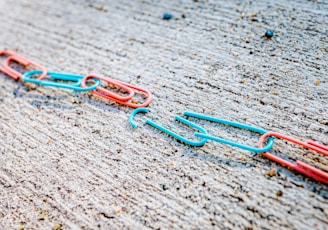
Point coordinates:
[(300, 166), (114, 97), (25, 62), (12, 56), (103, 91)]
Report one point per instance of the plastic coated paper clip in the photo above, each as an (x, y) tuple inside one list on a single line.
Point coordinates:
[(100, 91), (60, 76), (234, 124), (115, 97), (13, 57), (300, 166)]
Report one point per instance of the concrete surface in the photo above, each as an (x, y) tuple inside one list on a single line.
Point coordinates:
[(71, 160)]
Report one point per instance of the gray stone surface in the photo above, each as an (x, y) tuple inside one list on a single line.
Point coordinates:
[(72, 159)]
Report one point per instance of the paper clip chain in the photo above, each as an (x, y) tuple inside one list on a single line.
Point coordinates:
[(300, 166), (234, 124), (79, 82)]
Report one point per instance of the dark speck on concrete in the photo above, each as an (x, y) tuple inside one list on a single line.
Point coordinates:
[(279, 193), (165, 187)]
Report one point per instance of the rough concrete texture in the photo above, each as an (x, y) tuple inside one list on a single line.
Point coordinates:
[(71, 160)]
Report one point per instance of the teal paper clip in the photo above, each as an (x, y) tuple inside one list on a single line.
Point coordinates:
[(179, 137), (60, 76), (234, 124)]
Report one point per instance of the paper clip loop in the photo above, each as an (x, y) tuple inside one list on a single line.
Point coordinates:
[(60, 76), (234, 124), (177, 136), (300, 166), (21, 60), (5, 70), (115, 97)]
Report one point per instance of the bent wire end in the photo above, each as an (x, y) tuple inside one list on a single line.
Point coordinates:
[(134, 112), (177, 136)]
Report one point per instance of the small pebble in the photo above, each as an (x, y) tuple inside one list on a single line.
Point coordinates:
[(56, 227), (269, 33), (167, 16), (42, 217), (118, 210), (282, 176), (279, 193), (101, 8), (165, 187), (317, 82), (134, 101), (272, 172)]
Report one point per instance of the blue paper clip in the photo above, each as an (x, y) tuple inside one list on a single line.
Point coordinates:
[(60, 76), (179, 137), (234, 124)]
